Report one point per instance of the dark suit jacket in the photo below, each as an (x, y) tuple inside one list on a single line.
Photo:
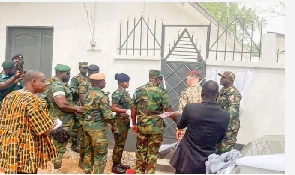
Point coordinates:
[(206, 125)]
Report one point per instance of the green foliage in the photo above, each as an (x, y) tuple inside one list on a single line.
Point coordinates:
[(241, 18)]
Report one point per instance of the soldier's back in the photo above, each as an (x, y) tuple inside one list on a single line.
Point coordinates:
[(150, 97), (150, 102), (95, 103), (193, 94)]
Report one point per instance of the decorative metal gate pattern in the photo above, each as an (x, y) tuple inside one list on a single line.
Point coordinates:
[(181, 58)]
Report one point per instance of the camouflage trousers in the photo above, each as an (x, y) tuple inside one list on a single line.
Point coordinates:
[(75, 129), (147, 146), (96, 151), (120, 139), (81, 141), (228, 141), (61, 149)]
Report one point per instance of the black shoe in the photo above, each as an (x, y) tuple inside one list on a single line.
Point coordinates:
[(124, 166), (56, 166), (81, 160), (118, 170)]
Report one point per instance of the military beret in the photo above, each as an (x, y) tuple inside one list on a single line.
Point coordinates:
[(93, 67), (97, 76), (17, 56), (83, 64), (228, 74), (62, 68), (7, 64), (122, 77), (154, 73)]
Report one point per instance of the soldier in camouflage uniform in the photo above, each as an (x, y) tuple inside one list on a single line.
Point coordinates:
[(229, 99), (76, 81), (121, 104), (98, 115), (61, 107), (148, 102), (190, 95), (83, 88)]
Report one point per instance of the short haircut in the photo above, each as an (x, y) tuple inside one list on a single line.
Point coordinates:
[(31, 74), (210, 88), (193, 76)]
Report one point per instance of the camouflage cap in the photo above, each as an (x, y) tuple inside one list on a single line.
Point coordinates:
[(83, 64), (62, 68), (97, 76), (228, 74), (154, 73), (8, 64)]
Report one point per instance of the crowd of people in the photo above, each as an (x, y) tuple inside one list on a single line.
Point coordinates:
[(30, 136)]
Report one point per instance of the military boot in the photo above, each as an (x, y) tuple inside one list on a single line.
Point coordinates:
[(117, 169), (74, 147), (124, 166), (56, 169), (81, 161)]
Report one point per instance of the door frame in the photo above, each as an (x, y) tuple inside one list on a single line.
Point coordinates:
[(8, 32)]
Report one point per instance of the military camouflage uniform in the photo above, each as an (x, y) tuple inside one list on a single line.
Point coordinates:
[(76, 81), (57, 86), (229, 100), (190, 95), (123, 99), (97, 116), (82, 89), (150, 101), (48, 83)]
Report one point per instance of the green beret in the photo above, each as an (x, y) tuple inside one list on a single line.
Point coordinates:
[(8, 64), (62, 68), (154, 73)]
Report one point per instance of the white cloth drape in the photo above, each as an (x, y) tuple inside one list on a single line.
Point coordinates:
[(226, 162), (242, 80), (275, 162)]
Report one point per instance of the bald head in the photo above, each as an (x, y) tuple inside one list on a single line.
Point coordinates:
[(210, 89), (31, 75), (34, 81)]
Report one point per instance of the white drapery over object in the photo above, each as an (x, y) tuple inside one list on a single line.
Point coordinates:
[(242, 80)]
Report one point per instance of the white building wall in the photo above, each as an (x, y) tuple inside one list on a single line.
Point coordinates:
[(263, 111)]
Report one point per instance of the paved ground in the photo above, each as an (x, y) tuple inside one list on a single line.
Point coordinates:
[(163, 166), (70, 163)]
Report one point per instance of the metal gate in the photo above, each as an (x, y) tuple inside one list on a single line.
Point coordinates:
[(177, 60)]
